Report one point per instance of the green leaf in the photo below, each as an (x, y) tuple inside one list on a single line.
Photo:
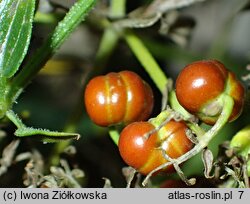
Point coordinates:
[(16, 17), (43, 134), (241, 141), (65, 27)]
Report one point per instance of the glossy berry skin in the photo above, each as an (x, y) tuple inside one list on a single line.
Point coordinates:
[(118, 98), (144, 153), (200, 85)]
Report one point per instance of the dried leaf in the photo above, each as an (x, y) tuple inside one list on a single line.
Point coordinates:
[(77, 173), (8, 155), (129, 174), (207, 158), (138, 22), (34, 170), (107, 183)]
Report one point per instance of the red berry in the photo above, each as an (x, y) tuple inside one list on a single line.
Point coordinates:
[(144, 153), (199, 86), (118, 98)]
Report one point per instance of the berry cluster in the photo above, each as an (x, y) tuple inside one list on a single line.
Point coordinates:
[(125, 98)]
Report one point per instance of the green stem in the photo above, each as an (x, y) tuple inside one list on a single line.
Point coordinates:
[(47, 18), (203, 140), (114, 134), (177, 106), (107, 46), (147, 60), (72, 19), (14, 118), (117, 8), (44, 134), (209, 135), (3, 104)]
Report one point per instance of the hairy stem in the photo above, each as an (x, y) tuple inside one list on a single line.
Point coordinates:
[(72, 19), (107, 45)]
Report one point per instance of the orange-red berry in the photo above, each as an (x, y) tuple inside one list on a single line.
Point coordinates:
[(118, 98), (144, 153), (200, 85)]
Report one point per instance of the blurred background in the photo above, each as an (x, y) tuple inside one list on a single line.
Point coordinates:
[(211, 29)]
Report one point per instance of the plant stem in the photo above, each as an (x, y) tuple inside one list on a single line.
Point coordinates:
[(3, 104), (107, 46), (47, 18), (113, 133), (117, 8), (177, 106), (46, 135), (72, 19), (203, 140), (147, 60), (14, 118)]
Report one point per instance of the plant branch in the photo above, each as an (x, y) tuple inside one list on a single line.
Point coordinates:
[(147, 60), (203, 140), (72, 19), (118, 8), (107, 45), (46, 135), (153, 13), (163, 6)]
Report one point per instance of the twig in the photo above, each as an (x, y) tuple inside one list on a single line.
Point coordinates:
[(166, 5), (203, 141), (153, 13)]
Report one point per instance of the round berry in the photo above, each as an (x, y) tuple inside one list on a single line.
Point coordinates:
[(118, 98), (145, 152), (200, 85)]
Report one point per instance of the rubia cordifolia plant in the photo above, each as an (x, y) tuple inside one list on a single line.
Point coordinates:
[(213, 94), (156, 145), (161, 144), (16, 19)]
